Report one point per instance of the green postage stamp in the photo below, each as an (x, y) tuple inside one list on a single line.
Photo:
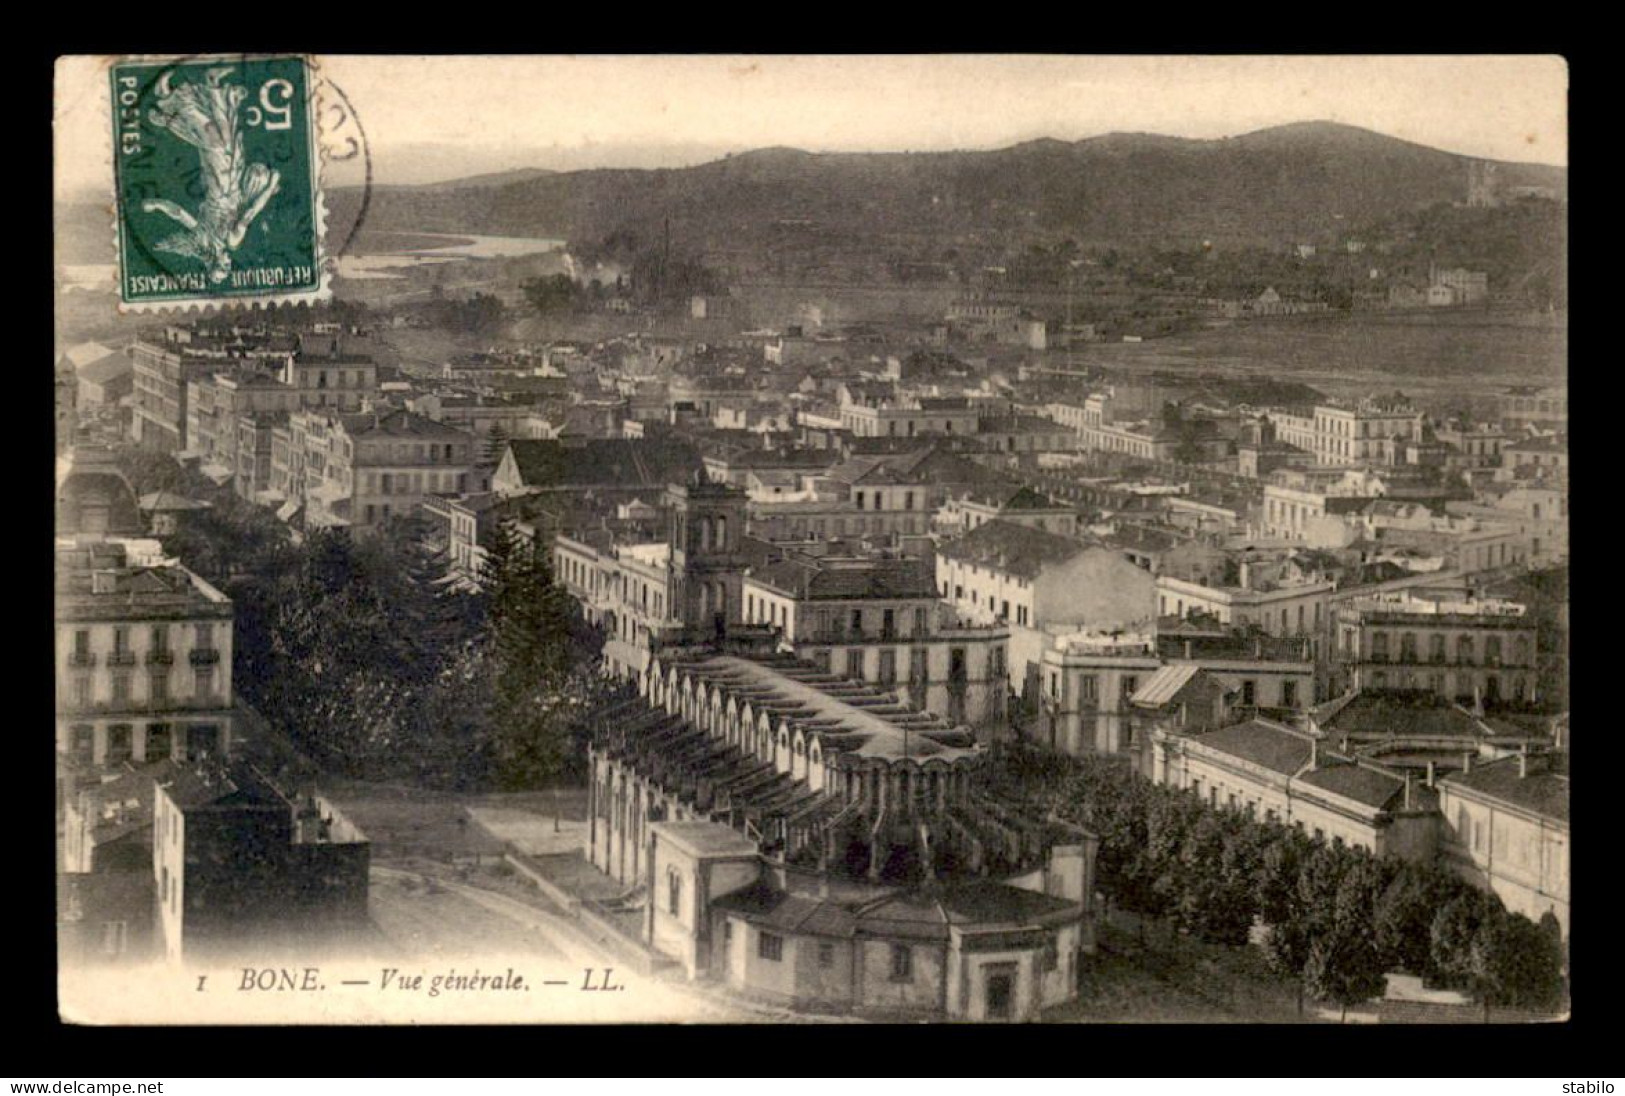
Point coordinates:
[(217, 179)]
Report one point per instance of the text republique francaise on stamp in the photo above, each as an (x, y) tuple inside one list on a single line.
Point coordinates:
[(217, 177)]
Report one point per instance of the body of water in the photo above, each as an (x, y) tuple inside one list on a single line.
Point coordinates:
[(456, 249)]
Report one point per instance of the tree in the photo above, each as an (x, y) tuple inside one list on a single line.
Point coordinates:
[(496, 444), (1343, 967), (1404, 915), (552, 294), (1286, 952), (542, 654), (1510, 961), (1452, 932)]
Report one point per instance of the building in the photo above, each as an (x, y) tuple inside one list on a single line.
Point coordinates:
[(143, 647), (784, 826), (328, 378), (360, 471), (1015, 505), (1419, 731), (893, 416), (1277, 773), (879, 621), (1506, 830), (1293, 606), (1102, 692), (219, 405), (1370, 432), (1034, 582), (1458, 287), (604, 464), (164, 364), (105, 379), (643, 591), (1529, 406), (1546, 457), (240, 867)]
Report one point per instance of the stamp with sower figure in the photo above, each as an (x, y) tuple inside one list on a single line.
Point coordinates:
[(217, 178)]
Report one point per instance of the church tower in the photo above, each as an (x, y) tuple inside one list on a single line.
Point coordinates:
[(707, 525)]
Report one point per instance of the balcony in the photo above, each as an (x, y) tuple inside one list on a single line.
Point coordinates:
[(204, 656), (160, 658), (82, 659), (121, 658)]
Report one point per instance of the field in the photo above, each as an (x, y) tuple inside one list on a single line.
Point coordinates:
[(1429, 354)]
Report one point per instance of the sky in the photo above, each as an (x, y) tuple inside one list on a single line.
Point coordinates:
[(428, 119)]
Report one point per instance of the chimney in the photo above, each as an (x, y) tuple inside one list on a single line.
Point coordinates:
[(1430, 775), (1408, 790), (1187, 650), (1523, 762), (1467, 761), (1258, 647), (1314, 752)]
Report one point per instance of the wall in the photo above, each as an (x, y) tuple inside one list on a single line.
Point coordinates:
[(1099, 589), (923, 992)]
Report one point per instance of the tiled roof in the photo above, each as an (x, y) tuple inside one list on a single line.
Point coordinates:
[(1028, 499), (766, 905), (987, 901), (1356, 782), (1013, 549), (1544, 791), (1162, 686), (403, 424), (1263, 743), (608, 462), (905, 578), (106, 368), (1398, 715)]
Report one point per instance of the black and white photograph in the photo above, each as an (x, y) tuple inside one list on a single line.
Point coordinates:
[(811, 539)]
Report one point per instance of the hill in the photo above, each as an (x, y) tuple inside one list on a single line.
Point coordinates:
[(1301, 181)]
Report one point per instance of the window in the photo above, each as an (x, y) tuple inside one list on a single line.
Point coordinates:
[(158, 686), (1249, 693), (919, 622), (1089, 688), (858, 499), (1128, 686), (1052, 953), (854, 664), (826, 954), (204, 676), (995, 662), (857, 622), (902, 963), (81, 643), (770, 947), (1289, 694), (888, 667), (674, 893)]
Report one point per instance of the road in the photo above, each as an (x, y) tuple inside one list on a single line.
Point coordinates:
[(440, 926)]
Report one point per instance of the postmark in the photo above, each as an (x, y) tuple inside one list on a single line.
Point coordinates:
[(218, 183)]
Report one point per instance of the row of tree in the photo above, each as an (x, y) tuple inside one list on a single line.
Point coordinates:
[(353, 650), (1335, 919)]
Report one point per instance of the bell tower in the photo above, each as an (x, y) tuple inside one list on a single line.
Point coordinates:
[(707, 525)]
